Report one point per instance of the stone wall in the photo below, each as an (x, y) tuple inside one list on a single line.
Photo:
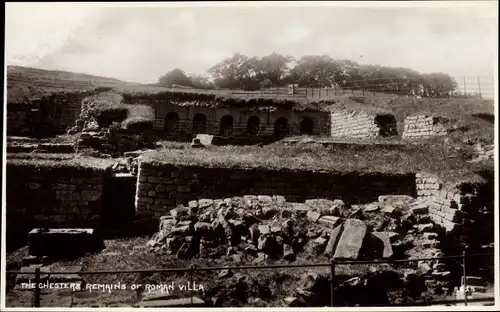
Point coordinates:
[(361, 124), (162, 187), (460, 210), (59, 197), (423, 126), (51, 114), (186, 121)]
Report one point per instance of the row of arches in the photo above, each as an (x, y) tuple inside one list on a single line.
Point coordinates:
[(227, 123)]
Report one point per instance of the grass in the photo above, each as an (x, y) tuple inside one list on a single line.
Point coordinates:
[(447, 161), (131, 254), (58, 161)]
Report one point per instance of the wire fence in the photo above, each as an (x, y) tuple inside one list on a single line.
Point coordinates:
[(333, 265), (468, 87)]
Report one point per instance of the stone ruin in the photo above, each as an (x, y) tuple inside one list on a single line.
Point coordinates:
[(267, 227)]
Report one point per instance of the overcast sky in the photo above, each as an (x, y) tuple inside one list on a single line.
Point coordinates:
[(140, 43)]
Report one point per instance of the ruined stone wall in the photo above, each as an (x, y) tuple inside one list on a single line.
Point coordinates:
[(361, 124), (460, 210), (21, 119), (423, 126), (296, 122), (58, 197), (51, 114), (162, 187)]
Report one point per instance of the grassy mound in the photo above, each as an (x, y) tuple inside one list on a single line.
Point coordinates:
[(448, 162), (50, 161)]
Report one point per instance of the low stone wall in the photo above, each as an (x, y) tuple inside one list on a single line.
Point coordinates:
[(162, 187), (422, 126), (361, 124), (58, 197)]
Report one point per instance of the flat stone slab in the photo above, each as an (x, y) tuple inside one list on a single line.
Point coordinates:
[(63, 242), (351, 240), (182, 302)]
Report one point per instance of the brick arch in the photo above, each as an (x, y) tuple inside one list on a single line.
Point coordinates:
[(281, 127), (253, 125), (199, 124), (226, 125), (306, 125), (171, 123)]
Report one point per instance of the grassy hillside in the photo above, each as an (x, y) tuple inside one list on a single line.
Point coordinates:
[(24, 83)]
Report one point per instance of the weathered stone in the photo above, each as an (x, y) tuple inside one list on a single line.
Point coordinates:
[(205, 203), (334, 239), (313, 216), (300, 210), (269, 211), (320, 244), (179, 213), (288, 253), (265, 200), (265, 244), (390, 211), (351, 240), (385, 239), (420, 209), (428, 227), (424, 267), (264, 229), (371, 207), (329, 221), (180, 230)]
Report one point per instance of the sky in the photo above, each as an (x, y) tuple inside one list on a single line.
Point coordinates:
[(142, 41)]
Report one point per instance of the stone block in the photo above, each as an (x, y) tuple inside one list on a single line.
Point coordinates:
[(351, 240), (63, 242), (329, 221)]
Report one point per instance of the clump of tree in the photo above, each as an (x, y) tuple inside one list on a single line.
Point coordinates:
[(275, 70), (177, 77)]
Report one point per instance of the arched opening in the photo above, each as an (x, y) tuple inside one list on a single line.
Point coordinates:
[(281, 127), (253, 125), (226, 125), (171, 123), (306, 126), (199, 124)]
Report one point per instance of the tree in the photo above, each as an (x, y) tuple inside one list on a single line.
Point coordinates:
[(274, 68), (312, 70), (175, 76), (200, 82)]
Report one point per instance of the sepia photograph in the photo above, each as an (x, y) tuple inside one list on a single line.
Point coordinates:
[(289, 155)]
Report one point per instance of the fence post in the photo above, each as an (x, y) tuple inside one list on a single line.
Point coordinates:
[(363, 91), (332, 282), (191, 273), (464, 255), (479, 86), (465, 88), (37, 288)]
